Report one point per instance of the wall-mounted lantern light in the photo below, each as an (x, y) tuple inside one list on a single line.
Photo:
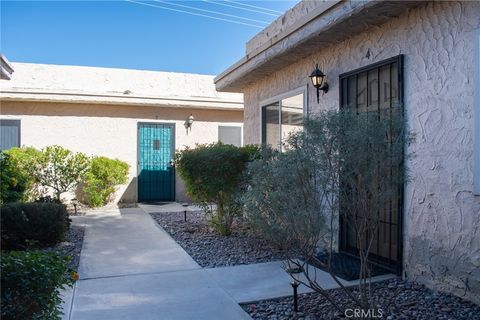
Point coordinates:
[(189, 122), (318, 81)]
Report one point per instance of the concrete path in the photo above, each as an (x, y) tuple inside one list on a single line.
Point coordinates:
[(261, 281), (127, 241), (132, 269)]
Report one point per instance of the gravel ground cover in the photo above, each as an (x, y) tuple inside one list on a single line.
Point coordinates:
[(398, 300), (211, 250), (72, 245)]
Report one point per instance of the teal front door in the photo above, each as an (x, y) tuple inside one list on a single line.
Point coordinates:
[(156, 176)]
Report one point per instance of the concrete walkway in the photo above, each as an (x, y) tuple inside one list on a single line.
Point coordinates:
[(132, 269)]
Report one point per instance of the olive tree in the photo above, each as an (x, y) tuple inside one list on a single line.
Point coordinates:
[(61, 169), (341, 165)]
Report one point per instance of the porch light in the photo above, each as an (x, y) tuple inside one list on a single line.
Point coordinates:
[(318, 80), (189, 122)]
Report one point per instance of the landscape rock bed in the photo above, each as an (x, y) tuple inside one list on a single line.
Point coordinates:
[(72, 245), (398, 300), (210, 249)]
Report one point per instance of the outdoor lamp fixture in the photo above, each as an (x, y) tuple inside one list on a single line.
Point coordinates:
[(185, 207), (295, 274), (189, 122), (75, 203), (318, 80)]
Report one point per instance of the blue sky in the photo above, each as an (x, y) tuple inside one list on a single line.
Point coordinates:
[(123, 34)]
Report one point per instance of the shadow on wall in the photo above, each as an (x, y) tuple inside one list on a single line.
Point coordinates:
[(128, 196), (119, 111), (453, 271), (180, 193)]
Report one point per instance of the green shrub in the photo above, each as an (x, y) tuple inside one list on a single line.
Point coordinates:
[(101, 178), (18, 167), (27, 224), (343, 165), (212, 174), (61, 169), (31, 283)]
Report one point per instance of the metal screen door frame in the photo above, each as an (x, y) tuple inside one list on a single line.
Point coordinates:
[(171, 169), (344, 244)]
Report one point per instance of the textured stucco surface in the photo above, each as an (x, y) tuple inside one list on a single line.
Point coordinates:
[(441, 214), (282, 23), (111, 130)]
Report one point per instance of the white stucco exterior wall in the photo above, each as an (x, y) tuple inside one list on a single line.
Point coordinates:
[(441, 212), (111, 130)]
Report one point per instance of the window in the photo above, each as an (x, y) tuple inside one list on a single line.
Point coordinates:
[(9, 134), (281, 117), (375, 88), (230, 135)]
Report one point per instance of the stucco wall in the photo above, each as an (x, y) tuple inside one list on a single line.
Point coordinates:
[(442, 216), (111, 130)]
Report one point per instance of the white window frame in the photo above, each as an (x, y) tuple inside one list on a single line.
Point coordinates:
[(278, 98), (19, 127), (231, 125)]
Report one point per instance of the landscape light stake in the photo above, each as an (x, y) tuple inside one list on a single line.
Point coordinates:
[(74, 202), (295, 274), (295, 295), (185, 205)]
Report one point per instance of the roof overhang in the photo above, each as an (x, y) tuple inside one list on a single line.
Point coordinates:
[(95, 98), (330, 23), (6, 68)]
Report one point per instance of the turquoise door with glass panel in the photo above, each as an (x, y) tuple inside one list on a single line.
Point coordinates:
[(156, 176)]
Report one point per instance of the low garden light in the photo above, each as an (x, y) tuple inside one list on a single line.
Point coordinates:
[(295, 274), (75, 204), (318, 81), (185, 207)]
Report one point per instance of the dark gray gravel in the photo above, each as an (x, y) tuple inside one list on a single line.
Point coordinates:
[(398, 300), (209, 249), (72, 245)]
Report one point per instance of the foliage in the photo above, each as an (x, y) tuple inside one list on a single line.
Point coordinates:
[(282, 202), (61, 169), (31, 283), (102, 176), (340, 164), (37, 224), (212, 174), (18, 167)]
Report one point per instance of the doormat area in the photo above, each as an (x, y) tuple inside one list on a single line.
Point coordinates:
[(347, 267)]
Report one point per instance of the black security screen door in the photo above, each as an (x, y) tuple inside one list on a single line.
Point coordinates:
[(376, 88)]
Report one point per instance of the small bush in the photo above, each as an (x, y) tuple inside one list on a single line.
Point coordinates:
[(61, 169), (37, 224), (212, 174), (101, 178), (31, 283), (18, 167)]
